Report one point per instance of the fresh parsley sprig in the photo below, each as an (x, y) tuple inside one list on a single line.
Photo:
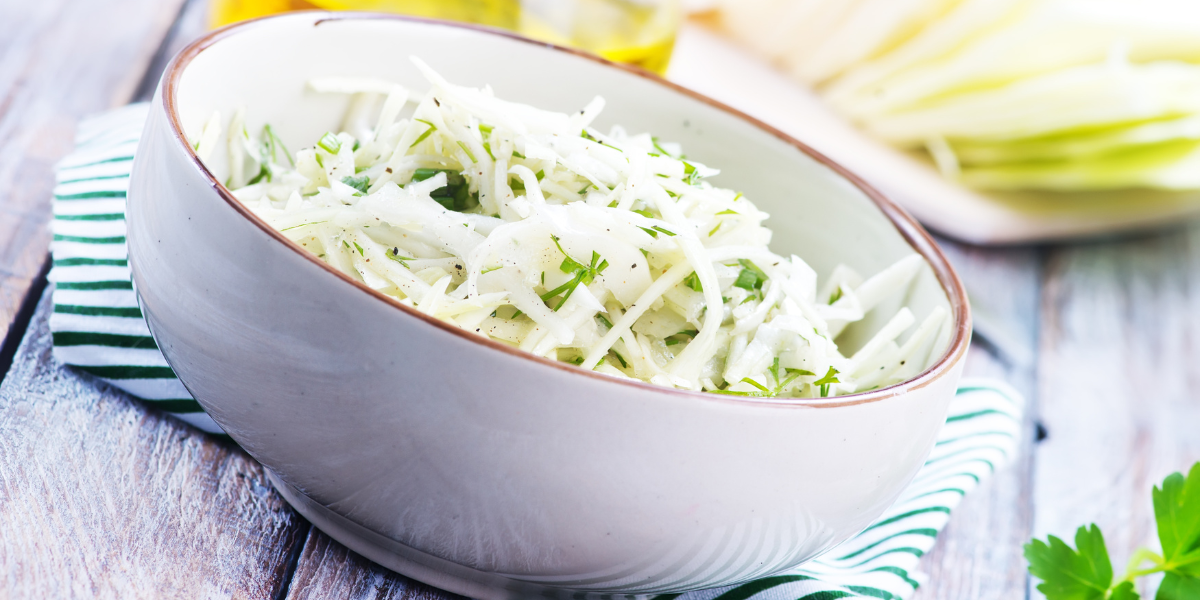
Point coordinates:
[(1085, 572)]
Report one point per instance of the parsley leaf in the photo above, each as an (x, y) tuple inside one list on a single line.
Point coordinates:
[(1069, 574), (1177, 511)]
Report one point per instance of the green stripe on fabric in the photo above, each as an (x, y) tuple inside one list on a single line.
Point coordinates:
[(91, 262), (90, 195), (959, 491), (742, 592), (950, 455), (175, 406), (96, 178), (99, 311), (871, 592), (94, 285), (911, 513), (95, 217), (91, 338), (129, 372), (960, 438), (917, 552), (117, 239), (972, 415), (898, 572), (827, 595), (98, 162), (919, 531)]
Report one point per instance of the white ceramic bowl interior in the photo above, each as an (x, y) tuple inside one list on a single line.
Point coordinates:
[(478, 468)]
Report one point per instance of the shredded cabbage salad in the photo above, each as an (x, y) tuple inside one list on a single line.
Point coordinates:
[(1004, 94), (531, 228)]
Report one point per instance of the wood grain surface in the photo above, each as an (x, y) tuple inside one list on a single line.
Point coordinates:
[(1119, 383), (59, 60), (327, 569), (101, 497), (978, 554)]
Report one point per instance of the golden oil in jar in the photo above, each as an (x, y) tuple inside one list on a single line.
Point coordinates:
[(636, 32)]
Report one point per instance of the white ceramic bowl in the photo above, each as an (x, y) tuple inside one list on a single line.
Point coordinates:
[(467, 464)]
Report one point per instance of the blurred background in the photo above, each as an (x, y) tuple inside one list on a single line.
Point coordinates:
[(993, 121)]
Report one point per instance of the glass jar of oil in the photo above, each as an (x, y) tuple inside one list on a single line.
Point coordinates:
[(637, 32)]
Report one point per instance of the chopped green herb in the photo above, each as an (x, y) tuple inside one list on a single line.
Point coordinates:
[(359, 248), (303, 225), (395, 255), (584, 190), (539, 175), (836, 295), (355, 147), (456, 195), (518, 155), (714, 229), (830, 377), (736, 198), (275, 143), (490, 269), (330, 143), (421, 138), (693, 281), (359, 183), (605, 321), (583, 275), (660, 229), (612, 204), (729, 212), (624, 365), (346, 244), (751, 277), (653, 233), (642, 211), (470, 155), (578, 360)]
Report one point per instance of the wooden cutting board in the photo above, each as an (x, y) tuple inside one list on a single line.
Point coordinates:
[(716, 67)]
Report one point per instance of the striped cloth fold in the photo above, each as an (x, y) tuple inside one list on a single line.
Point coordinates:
[(98, 328)]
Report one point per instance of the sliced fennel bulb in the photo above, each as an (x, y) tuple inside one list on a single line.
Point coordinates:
[(609, 251), (991, 87)]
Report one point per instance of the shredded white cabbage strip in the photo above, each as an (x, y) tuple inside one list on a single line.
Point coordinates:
[(609, 251)]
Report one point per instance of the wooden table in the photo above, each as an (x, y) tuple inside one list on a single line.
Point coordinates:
[(100, 496)]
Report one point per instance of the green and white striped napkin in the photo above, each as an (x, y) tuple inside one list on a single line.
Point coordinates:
[(98, 328)]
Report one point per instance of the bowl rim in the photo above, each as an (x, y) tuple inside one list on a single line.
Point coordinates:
[(909, 229)]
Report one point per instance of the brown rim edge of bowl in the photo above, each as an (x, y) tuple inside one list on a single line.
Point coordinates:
[(912, 232)]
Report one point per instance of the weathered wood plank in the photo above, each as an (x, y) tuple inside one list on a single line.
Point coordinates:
[(191, 23), (102, 497), (327, 569), (1118, 376), (978, 555), (59, 60)]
